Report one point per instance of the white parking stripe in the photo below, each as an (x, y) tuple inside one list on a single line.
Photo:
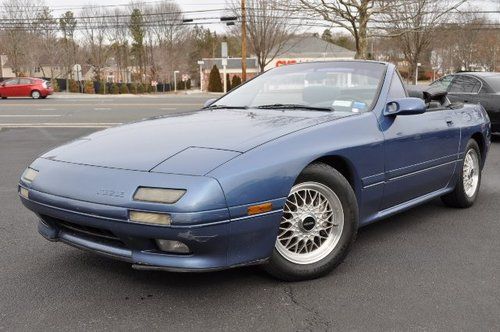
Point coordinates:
[(30, 115), (102, 109), (58, 125)]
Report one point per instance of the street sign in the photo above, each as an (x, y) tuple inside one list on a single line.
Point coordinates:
[(224, 51), (77, 72)]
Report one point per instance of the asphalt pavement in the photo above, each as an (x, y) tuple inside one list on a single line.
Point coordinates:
[(432, 268), (93, 112)]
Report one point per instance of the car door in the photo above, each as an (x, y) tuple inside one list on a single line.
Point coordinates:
[(9, 88), (24, 87), (464, 89), (420, 152)]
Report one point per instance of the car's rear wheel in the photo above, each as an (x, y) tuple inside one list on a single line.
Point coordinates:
[(319, 224), (4, 97), (467, 188), (35, 94)]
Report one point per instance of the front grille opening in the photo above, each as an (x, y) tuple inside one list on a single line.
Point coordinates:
[(103, 235)]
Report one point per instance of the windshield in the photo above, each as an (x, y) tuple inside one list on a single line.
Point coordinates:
[(340, 86)]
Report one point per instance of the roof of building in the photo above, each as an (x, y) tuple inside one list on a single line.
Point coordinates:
[(232, 63), (310, 46)]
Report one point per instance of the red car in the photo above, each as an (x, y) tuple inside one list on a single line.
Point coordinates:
[(35, 88)]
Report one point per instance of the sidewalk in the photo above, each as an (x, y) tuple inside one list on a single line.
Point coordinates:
[(71, 95)]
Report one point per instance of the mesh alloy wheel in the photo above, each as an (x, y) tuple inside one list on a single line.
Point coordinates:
[(312, 223), (471, 173)]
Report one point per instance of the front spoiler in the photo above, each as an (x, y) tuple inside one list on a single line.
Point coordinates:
[(214, 246)]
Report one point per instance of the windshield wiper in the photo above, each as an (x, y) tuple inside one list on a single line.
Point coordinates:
[(218, 107), (295, 107)]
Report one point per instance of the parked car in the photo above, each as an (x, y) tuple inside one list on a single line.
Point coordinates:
[(25, 87), (282, 171), (475, 87)]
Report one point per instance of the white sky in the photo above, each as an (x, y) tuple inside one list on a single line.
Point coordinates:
[(60, 6)]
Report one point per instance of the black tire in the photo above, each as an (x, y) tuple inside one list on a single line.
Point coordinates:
[(35, 94), (282, 268), (458, 197), (4, 97)]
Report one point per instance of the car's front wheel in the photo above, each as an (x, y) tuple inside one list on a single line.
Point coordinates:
[(319, 224), (35, 94)]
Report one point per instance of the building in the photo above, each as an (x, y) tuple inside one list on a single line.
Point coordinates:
[(39, 71), (233, 68), (305, 48), (310, 48)]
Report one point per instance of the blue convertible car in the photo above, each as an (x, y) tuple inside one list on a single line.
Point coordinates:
[(282, 171)]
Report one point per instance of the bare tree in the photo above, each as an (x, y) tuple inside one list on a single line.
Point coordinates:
[(352, 15), (67, 25), (167, 32), (268, 27), (46, 31), (414, 26), (119, 39), (18, 17), (469, 42), (94, 25)]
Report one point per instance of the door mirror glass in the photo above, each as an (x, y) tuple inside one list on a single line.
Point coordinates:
[(209, 102), (405, 106)]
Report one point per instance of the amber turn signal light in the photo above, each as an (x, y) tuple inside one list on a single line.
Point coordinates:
[(261, 208)]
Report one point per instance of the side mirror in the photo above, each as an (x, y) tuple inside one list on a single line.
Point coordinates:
[(405, 106), (209, 102)]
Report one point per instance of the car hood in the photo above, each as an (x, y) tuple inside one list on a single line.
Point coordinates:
[(190, 143)]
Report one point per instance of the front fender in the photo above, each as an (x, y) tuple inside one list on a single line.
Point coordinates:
[(268, 172)]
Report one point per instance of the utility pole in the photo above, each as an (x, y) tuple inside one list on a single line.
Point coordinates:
[(243, 41)]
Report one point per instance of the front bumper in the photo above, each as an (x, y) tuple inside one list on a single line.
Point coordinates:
[(215, 245)]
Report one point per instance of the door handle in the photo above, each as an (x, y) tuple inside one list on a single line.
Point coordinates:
[(449, 122)]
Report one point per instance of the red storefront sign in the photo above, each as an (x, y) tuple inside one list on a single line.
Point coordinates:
[(280, 63)]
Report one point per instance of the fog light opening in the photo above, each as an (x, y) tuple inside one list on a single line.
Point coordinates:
[(24, 192), (151, 218), (174, 247)]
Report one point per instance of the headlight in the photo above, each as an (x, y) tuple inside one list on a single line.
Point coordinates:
[(29, 174), (161, 219), (158, 195)]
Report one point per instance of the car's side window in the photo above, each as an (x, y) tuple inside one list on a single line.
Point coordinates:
[(397, 89), (465, 84), (12, 82), (444, 82), (24, 81)]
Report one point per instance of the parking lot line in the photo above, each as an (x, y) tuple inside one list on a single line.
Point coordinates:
[(110, 104), (58, 125), (30, 115)]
